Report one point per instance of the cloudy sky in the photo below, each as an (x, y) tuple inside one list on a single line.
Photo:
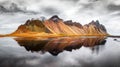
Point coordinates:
[(15, 12)]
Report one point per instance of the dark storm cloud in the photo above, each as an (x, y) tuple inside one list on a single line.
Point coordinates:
[(13, 8), (113, 7), (50, 10), (117, 14), (88, 6)]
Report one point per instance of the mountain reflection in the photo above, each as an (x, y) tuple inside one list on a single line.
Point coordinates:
[(58, 45)]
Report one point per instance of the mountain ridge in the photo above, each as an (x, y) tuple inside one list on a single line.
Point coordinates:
[(56, 26)]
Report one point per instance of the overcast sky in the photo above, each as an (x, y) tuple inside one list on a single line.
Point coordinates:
[(16, 12)]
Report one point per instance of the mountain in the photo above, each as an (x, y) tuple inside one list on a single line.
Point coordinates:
[(57, 26)]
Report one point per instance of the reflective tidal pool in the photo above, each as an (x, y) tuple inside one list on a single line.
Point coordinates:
[(60, 52)]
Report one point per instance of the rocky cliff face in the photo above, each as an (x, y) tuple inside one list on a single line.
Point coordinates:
[(55, 25), (32, 26)]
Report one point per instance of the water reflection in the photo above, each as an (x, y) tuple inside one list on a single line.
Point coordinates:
[(57, 45)]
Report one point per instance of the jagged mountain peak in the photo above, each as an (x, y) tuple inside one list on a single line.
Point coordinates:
[(96, 23), (68, 22), (33, 22), (71, 23), (55, 18)]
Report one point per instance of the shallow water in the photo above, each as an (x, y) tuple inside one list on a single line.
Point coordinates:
[(60, 52)]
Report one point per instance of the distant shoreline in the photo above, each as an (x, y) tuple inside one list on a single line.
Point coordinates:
[(114, 36)]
